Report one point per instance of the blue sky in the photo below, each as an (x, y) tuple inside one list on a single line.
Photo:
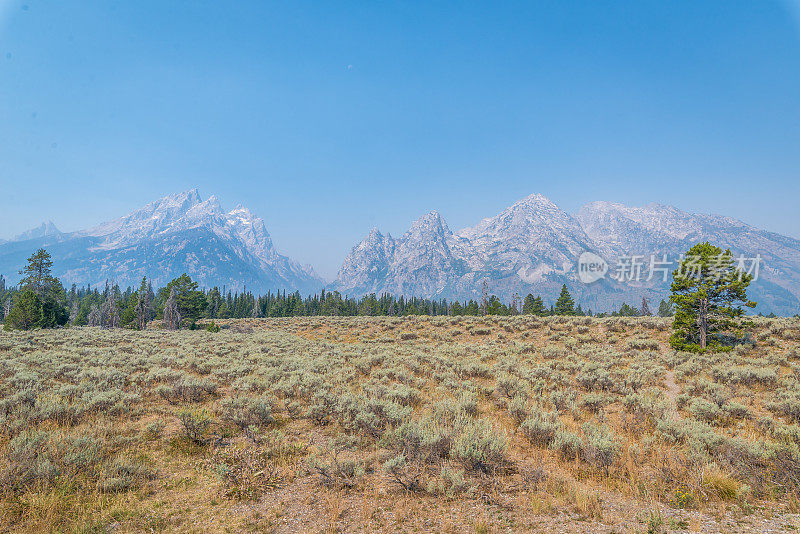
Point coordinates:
[(328, 118)]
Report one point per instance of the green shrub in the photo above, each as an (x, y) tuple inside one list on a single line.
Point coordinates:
[(541, 428), (480, 445), (195, 424), (518, 409), (245, 412), (567, 444), (704, 410)]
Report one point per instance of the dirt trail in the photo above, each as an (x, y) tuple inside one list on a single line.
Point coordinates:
[(673, 390)]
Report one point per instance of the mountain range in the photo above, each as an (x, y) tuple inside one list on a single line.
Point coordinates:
[(533, 247), (177, 234), (530, 247)]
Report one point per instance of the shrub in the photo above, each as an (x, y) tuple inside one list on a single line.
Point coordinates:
[(595, 401), (123, 474), (338, 473), (194, 389), (509, 386), (567, 444), (195, 425), (322, 408), (736, 410), (518, 409), (480, 445), (38, 458), (450, 482), (247, 411), (704, 410), (540, 428), (600, 447)]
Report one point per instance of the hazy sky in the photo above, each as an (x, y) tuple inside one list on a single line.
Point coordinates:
[(328, 118)]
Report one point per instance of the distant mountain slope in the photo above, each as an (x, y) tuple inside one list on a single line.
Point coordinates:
[(655, 228), (533, 246), (175, 234)]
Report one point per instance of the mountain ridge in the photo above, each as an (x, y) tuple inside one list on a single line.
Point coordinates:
[(533, 246), (530, 246), (164, 239)]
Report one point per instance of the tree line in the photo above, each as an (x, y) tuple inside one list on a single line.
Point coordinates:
[(41, 301), (708, 292)]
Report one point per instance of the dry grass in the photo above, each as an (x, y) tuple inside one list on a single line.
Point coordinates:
[(385, 424)]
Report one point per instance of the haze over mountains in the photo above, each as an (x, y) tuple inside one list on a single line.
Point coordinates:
[(533, 245), (176, 234), (530, 247)]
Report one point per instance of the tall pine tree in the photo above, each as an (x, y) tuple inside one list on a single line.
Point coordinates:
[(708, 292)]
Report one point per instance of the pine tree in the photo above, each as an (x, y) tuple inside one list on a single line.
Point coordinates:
[(527, 304), (41, 303), (37, 273), (191, 302), (26, 312), (708, 292), (664, 309), (564, 304), (142, 305), (645, 309), (484, 298)]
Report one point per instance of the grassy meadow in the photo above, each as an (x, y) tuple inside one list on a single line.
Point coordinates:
[(418, 424)]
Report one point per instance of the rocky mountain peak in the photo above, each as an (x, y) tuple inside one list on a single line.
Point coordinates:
[(45, 229), (431, 224)]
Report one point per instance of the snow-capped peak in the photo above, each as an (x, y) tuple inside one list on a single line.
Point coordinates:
[(43, 230), (432, 223)]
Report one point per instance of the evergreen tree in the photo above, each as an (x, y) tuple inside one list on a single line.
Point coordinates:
[(707, 291), (626, 310), (564, 304), (42, 303), (664, 309), (142, 305), (189, 300), (645, 310), (527, 304), (26, 311), (533, 306), (37, 274)]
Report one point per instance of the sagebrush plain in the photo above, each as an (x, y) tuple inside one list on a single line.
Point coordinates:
[(381, 424)]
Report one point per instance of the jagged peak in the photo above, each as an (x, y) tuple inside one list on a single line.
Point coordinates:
[(47, 228), (431, 221), (190, 196), (374, 234), (535, 198)]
